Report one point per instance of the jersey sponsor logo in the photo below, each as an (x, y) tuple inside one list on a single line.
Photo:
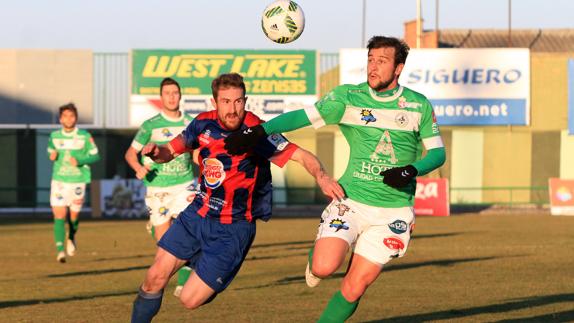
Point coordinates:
[(278, 141), (338, 224), (403, 103), (213, 172), (394, 243), (398, 227), (166, 133), (402, 120), (367, 116), (75, 143), (384, 152)]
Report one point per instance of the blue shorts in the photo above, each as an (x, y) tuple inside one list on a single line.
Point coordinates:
[(215, 250)]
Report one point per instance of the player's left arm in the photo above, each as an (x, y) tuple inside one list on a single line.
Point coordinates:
[(436, 155), (313, 165), (90, 154)]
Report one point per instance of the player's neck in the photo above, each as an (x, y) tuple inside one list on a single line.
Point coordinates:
[(68, 130), (388, 91), (175, 114)]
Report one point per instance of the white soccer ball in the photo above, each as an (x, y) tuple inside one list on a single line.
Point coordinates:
[(283, 21)]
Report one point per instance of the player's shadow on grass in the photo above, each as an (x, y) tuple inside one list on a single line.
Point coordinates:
[(435, 235), (512, 305), (98, 272), (124, 257), (27, 302), (283, 244), (442, 263)]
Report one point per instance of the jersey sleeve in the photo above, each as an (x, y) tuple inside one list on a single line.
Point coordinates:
[(330, 109), (51, 147), (428, 129), (142, 137), (276, 148), (90, 154), (188, 139)]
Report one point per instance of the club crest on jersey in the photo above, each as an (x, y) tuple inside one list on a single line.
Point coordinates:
[(213, 172), (402, 120), (338, 224), (166, 133), (367, 116)]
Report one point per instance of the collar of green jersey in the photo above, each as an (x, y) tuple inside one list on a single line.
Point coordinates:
[(386, 96)]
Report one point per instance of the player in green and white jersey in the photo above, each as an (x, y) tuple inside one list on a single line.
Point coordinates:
[(72, 150), (384, 124), (170, 186)]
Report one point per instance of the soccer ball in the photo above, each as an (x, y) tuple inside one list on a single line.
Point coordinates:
[(283, 21)]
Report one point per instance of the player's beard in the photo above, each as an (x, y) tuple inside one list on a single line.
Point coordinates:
[(234, 123), (384, 84)]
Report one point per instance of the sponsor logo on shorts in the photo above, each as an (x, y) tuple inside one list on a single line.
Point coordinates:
[(338, 224), (342, 209), (78, 191), (78, 201), (398, 227), (163, 210), (394, 243), (213, 172), (59, 196)]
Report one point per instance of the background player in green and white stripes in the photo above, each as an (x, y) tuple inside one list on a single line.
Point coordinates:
[(384, 124), (170, 186), (72, 150)]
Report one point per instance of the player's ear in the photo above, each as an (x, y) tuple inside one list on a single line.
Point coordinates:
[(399, 69)]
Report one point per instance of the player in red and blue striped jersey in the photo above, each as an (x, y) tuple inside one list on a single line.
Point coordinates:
[(214, 233)]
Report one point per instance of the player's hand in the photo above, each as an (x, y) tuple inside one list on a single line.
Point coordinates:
[(330, 187), (399, 177), (151, 150), (142, 172), (53, 155), (242, 141), (73, 161)]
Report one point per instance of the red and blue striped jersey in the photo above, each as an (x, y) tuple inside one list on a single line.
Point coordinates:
[(232, 188)]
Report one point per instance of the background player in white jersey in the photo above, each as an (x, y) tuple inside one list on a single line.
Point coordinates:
[(384, 124), (71, 150), (170, 186)]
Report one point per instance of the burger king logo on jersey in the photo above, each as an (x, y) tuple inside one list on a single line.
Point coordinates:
[(213, 172)]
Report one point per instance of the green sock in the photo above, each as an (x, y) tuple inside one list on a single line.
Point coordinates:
[(183, 275), (73, 228), (338, 310), (59, 233), (152, 231), (310, 257)]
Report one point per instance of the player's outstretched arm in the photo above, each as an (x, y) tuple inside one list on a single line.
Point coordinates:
[(131, 157), (328, 185), (240, 142), (159, 154)]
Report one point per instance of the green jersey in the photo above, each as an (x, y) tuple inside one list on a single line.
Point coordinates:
[(78, 144), (160, 130), (384, 130)]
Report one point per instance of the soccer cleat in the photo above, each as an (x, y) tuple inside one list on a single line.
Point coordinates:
[(310, 279), (71, 248), (61, 257), (177, 291)]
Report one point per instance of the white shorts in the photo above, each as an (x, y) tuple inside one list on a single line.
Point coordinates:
[(67, 194), (165, 203), (379, 234)]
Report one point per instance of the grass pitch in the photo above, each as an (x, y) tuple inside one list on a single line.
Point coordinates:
[(467, 268)]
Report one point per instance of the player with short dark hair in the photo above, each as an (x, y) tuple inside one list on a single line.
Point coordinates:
[(384, 124), (72, 150), (214, 233), (169, 186)]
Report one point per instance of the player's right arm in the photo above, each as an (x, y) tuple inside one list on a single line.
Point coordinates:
[(184, 142), (142, 137), (52, 152), (328, 110)]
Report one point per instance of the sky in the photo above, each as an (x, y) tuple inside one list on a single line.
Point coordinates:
[(121, 25)]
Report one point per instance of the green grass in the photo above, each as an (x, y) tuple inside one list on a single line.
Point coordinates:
[(471, 268)]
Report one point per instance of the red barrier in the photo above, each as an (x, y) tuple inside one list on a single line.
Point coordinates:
[(431, 197)]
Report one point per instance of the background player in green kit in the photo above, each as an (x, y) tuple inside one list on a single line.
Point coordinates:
[(71, 150), (384, 124), (170, 186)]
